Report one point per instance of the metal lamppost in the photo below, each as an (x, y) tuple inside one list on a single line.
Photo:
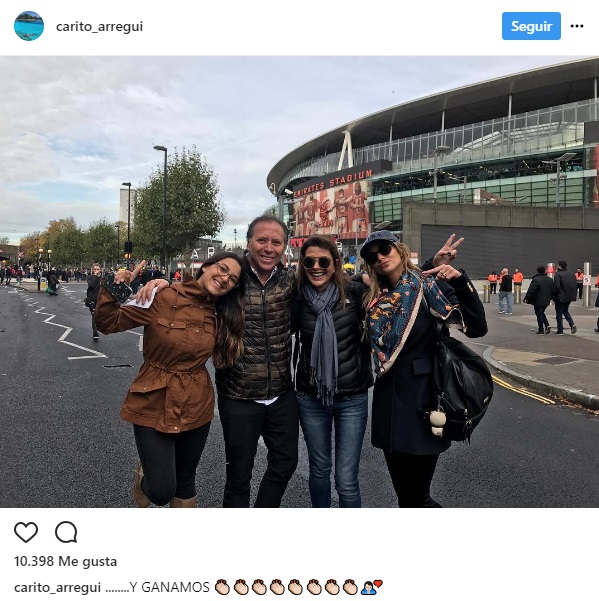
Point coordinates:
[(49, 264), (557, 162), (163, 258), (39, 268), (128, 245)]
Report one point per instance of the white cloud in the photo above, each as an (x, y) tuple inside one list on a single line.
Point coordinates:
[(74, 128)]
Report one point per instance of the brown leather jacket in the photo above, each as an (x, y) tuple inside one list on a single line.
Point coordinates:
[(173, 391)]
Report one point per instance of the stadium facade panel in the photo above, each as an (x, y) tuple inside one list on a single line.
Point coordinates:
[(527, 140)]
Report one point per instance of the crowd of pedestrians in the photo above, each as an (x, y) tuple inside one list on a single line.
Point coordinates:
[(562, 290)]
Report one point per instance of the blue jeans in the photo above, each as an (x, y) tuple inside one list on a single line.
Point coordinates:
[(505, 296), (561, 311), (349, 414)]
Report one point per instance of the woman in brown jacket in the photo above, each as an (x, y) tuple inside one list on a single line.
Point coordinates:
[(171, 400)]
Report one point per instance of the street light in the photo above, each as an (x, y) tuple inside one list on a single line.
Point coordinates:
[(163, 258), (437, 151), (128, 245), (563, 159), (49, 257), (39, 268)]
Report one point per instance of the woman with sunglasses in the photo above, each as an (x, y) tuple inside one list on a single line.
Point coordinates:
[(334, 370), (171, 400), (403, 306)]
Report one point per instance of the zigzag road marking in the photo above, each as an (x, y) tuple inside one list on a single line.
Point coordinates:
[(51, 316)]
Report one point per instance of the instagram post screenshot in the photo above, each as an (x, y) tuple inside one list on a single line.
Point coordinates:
[(307, 271)]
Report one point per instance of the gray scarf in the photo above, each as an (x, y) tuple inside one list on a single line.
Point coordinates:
[(323, 359)]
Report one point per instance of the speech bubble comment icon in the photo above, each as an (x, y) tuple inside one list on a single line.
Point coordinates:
[(66, 532), (25, 531)]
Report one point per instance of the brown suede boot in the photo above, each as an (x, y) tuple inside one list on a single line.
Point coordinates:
[(138, 494), (176, 502)]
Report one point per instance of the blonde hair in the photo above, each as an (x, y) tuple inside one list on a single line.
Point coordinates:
[(378, 281)]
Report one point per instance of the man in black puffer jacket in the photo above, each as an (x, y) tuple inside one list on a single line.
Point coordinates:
[(564, 292), (256, 395), (539, 295)]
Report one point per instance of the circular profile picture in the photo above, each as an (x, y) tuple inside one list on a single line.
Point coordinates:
[(29, 26)]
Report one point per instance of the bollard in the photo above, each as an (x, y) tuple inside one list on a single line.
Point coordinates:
[(517, 295), (486, 293), (586, 286)]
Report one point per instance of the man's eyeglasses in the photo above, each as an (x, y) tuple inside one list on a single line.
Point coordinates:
[(373, 256), (223, 270), (309, 262)]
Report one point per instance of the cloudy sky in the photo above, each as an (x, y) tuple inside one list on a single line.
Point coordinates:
[(73, 128)]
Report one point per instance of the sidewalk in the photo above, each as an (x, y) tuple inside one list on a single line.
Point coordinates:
[(566, 366)]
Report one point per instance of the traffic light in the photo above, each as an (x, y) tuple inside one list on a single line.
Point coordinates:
[(128, 246)]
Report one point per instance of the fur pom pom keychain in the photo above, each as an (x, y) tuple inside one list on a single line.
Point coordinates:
[(438, 420)]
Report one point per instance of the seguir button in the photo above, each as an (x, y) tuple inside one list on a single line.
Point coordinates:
[(531, 26)]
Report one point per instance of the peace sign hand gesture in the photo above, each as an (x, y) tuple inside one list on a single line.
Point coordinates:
[(448, 252)]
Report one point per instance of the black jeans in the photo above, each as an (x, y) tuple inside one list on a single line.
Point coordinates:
[(412, 476), (169, 462), (243, 424), (542, 320), (92, 309)]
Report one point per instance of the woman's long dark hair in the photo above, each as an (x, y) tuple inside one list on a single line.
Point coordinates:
[(230, 316), (339, 277)]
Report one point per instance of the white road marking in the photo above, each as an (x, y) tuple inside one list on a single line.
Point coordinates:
[(51, 316)]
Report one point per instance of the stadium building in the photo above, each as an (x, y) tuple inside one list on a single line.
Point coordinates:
[(510, 164)]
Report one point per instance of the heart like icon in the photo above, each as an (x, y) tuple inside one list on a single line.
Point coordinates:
[(377, 583), (25, 531)]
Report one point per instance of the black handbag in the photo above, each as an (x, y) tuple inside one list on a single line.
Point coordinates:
[(463, 387)]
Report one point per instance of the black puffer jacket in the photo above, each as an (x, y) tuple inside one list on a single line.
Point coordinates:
[(354, 373), (539, 292), (564, 286), (264, 369)]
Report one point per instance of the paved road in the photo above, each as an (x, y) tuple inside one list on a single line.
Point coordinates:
[(65, 446)]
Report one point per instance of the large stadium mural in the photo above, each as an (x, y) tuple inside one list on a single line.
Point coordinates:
[(336, 204)]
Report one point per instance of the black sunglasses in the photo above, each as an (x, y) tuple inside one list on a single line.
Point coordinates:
[(373, 256), (309, 262)]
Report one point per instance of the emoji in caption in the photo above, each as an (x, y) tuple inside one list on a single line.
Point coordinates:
[(331, 587), (276, 586), (377, 583), (349, 586), (368, 589), (241, 587), (314, 587), (295, 587), (259, 587), (222, 588)]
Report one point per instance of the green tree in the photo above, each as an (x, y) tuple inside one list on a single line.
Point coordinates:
[(193, 207), (101, 242), (66, 240)]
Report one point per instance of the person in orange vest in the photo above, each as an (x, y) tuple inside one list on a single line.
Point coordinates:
[(579, 281), (492, 277), (517, 279)]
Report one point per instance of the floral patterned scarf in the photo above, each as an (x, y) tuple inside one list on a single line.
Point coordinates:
[(393, 313)]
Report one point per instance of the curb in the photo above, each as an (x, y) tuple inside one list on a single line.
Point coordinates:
[(590, 401)]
